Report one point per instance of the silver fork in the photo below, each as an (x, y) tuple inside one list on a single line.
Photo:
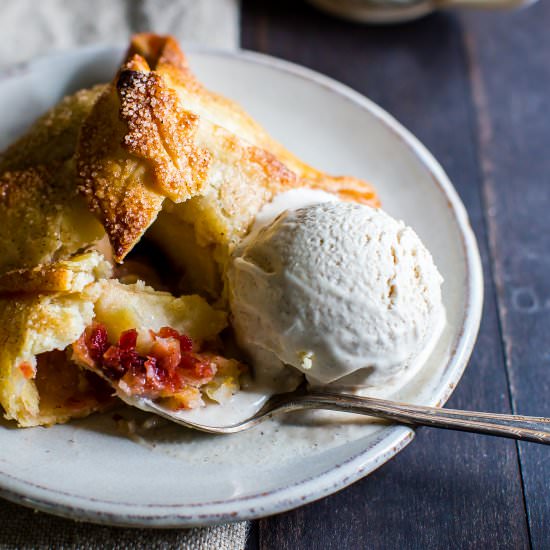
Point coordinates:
[(524, 428)]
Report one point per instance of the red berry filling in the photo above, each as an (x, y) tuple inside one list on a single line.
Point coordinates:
[(168, 366)]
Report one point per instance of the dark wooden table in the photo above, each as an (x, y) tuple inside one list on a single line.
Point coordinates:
[(475, 88)]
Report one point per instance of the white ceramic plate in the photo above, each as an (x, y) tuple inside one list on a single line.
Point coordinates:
[(173, 477)]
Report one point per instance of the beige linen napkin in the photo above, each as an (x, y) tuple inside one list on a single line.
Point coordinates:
[(35, 27), (32, 27), (22, 529)]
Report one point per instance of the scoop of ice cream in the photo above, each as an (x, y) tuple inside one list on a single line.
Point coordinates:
[(333, 288)]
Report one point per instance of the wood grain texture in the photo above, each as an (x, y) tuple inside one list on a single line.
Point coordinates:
[(509, 60), (446, 490)]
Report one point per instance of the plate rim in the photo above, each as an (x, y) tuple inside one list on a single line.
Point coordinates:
[(389, 443)]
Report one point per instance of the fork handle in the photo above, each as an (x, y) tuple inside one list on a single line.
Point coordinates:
[(524, 428)]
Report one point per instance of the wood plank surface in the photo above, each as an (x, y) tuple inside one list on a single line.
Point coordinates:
[(510, 66), (446, 490)]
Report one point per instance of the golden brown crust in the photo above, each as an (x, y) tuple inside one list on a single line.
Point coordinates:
[(43, 216), (52, 138), (164, 53), (46, 278), (160, 52), (31, 325), (111, 180), (136, 148), (71, 275), (161, 132), (242, 179), (141, 144)]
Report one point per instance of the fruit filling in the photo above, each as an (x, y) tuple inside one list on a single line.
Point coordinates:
[(163, 365)]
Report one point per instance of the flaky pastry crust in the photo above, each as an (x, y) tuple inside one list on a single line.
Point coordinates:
[(40, 322), (157, 133), (52, 138), (154, 150), (136, 149), (31, 326), (164, 53), (72, 275), (43, 216)]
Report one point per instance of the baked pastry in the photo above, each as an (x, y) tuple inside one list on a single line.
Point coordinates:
[(164, 56), (107, 193), (61, 344), (44, 218), (158, 142), (37, 383), (70, 276), (52, 138)]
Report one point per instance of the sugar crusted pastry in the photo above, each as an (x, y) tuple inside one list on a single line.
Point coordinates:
[(152, 156), (189, 154), (52, 138), (164, 54), (135, 149), (44, 218)]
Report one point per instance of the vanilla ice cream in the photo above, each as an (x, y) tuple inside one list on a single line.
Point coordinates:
[(335, 288)]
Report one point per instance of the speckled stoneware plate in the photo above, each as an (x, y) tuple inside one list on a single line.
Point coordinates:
[(169, 476)]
